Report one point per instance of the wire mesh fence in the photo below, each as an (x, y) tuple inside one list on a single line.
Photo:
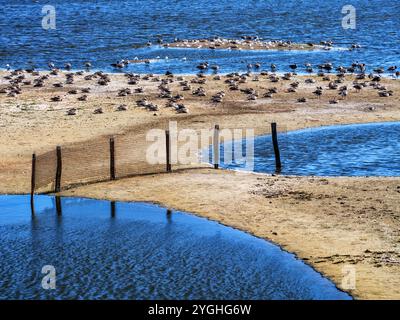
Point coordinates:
[(137, 153), (132, 155), (85, 163), (46, 166)]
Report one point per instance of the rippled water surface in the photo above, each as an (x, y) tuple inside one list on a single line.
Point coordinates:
[(141, 251), (350, 150), (105, 31)]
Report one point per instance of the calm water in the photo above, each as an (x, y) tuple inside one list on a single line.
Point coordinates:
[(141, 252), (105, 31), (350, 150)]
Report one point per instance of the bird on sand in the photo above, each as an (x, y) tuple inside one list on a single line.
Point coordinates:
[(318, 92)]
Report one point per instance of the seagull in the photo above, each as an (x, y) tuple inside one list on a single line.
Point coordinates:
[(202, 66), (318, 92), (362, 67), (326, 66), (98, 111), (71, 112), (358, 87), (215, 67), (379, 70), (309, 68), (343, 92), (122, 107)]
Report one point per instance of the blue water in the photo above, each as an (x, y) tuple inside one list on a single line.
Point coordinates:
[(350, 150), (140, 251), (106, 31)]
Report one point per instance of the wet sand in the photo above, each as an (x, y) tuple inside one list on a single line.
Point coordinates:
[(331, 222)]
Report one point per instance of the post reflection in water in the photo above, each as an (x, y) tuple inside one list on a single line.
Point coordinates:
[(58, 205), (169, 214), (113, 210)]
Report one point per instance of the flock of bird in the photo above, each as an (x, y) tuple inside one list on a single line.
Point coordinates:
[(249, 43), (335, 81)]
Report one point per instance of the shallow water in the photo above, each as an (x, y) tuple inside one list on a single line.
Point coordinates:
[(348, 150), (105, 31), (141, 252)]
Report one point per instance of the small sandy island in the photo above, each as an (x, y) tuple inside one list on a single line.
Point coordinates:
[(328, 222), (249, 43)]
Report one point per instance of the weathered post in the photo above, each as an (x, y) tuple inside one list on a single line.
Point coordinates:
[(278, 165), (33, 182), (216, 147), (112, 158), (168, 150), (57, 186)]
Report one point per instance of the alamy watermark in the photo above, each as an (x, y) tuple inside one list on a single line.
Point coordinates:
[(349, 277), (349, 20), (190, 147), (49, 280), (49, 19)]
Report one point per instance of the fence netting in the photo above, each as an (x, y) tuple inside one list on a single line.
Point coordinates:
[(46, 165), (134, 154), (145, 152), (86, 162)]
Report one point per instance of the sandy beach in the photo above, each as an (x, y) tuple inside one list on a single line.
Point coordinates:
[(328, 222)]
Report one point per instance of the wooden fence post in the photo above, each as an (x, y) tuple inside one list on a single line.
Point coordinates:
[(278, 165), (168, 150), (33, 182), (112, 158), (57, 187), (216, 147)]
